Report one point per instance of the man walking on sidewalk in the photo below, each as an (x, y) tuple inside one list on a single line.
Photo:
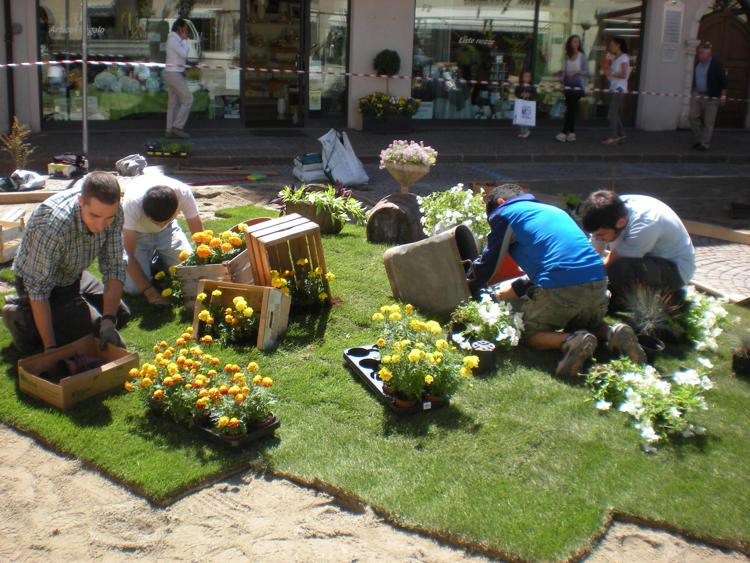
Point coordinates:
[(709, 92), (180, 99)]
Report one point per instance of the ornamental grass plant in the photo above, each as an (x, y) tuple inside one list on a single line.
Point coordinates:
[(519, 465)]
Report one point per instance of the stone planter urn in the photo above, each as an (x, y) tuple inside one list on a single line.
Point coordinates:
[(406, 174)]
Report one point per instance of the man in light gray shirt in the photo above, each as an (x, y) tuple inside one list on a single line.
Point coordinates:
[(180, 99), (647, 242)]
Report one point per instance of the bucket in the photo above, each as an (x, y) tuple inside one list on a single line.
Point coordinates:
[(430, 274)]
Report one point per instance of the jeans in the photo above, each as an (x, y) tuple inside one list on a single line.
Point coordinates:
[(166, 244), (571, 111), (615, 122)]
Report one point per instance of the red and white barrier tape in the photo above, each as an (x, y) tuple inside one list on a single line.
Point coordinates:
[(502, 84)]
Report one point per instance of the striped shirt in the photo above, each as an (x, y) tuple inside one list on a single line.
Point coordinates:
[(57, 247)]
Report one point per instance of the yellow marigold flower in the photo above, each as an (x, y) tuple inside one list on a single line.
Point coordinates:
[(238, 378), (197, 237), (216, 293), (238, 398), (166, 292), (330, 276), (442, 344), (201, 296), (416, 324), (322, 296), (168, 381), (380, 342), (395, 308), (279, 283), (428, 379), (160, 275), (471, 361), (225, 235), (212, 373), (415, 355), (378, 317), (146, 382), (252, 367), (434, 327), (395, 317), (267, 382), (133, 373), (385, 309), (245, 390), (184, 254), (188, 386), (248, 312), (235, 240), (189, 330), (172, 270), (226, 247), (229, 319), (155, 348), (207, 339), (395, 358), (228, 311), (177, 378), (215, 242), (409, 308), (303, 262), (223, 389), (430, 357), (233, 422), (385, 359), (223, 421), (158, 394), (284, 290), (420, 345), (129, 386), (233, 390), (318, 270), (274, 273), (203, 251), (466, 372), (257, 379), (385, 374)]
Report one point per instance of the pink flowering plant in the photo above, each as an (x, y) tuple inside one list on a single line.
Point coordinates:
[(408, 152)]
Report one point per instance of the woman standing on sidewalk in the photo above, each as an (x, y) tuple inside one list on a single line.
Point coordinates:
[(617, 73), (575, 72)]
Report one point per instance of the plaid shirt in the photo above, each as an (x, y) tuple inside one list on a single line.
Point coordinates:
[(57, 247)]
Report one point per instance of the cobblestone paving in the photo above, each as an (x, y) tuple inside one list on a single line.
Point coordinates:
[(723, 266)]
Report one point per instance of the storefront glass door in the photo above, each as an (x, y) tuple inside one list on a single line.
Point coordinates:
[(274, 43), (328, 58)]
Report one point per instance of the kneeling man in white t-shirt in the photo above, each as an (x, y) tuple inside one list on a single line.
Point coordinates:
[(647, 242), (150, 228)]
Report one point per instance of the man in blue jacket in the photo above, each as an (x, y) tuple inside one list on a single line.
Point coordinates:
[(564, 296), (709, 92)]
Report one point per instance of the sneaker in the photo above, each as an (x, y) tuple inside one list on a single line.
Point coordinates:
[(577, 347), (624, 341), (524, 134), (571, 137), (562, 137), (181, 133)]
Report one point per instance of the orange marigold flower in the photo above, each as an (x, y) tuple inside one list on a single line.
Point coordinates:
[(184, 255), (267, 382), (158, 394), (203, 251), (226, 247), (258, 379), (215, 243)]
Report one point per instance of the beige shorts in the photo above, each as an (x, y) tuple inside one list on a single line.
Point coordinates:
[(575, 307)]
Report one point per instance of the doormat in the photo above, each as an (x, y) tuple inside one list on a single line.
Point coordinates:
[(278, 133)]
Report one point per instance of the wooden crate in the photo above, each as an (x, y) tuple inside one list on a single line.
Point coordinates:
[(76, 388), (272, 306), (278, 244), (10, 237)]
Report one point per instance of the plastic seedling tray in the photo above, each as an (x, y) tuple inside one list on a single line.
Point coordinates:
[(365, 363), (243, 441)]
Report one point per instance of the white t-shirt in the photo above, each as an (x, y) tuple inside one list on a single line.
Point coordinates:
[(654, 229), (616, 68), (177, 53), (132, 203)]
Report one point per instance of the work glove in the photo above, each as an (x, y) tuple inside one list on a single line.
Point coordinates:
[(154, 297), (108, 335)]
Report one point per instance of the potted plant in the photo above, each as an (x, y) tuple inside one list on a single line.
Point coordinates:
[(383, 113), (16, 144), (416, 360), (407, 161), (456, 206), (186, 382), (741, 352), (328, 206), (307, 286), (227, 325), (487, 320)]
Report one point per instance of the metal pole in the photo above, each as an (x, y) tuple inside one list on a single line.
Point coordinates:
[(84, 56)]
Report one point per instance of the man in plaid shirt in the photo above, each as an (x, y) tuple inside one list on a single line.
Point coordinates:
[(58, 300)]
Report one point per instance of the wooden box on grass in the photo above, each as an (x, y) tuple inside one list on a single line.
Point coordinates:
[(76, 388), (279, 243), (270, 304), (236, 270), (10, 237)]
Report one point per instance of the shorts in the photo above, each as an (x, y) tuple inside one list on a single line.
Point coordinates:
[(571, 308)]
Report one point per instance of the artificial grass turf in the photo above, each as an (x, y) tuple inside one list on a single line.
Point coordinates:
[(519, 463)]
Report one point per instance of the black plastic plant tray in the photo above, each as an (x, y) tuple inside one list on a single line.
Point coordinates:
[(364, 361), (243, 441)]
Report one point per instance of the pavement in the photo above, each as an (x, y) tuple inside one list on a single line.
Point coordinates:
[(698, 185)]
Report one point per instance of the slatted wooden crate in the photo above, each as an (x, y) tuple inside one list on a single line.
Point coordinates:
[(279, 243), (10, 237), (270, 304)]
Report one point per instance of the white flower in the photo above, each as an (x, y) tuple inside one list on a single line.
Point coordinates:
[(706, 363), (687, 433), (706, 383), (663, 386), (674, 412), (700, 430), (631, 377), (603, 405), (649, 434), (686, 377)]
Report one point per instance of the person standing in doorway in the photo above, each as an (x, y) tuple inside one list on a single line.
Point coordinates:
[(180, 98), (525, 91), (575, 74), (618, 74), (709, 92)]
